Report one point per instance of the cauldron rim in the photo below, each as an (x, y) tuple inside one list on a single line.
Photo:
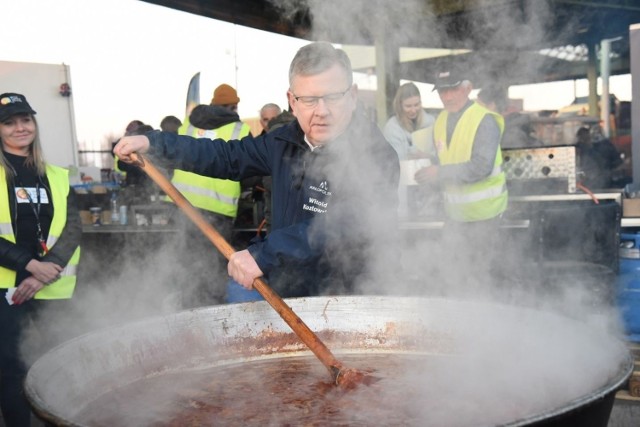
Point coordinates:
[(48, 414)]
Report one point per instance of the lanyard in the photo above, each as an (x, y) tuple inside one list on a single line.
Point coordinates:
[(36, 212)]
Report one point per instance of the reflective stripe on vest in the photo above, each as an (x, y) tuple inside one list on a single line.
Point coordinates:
[(480, 200), (5, 228), (59, 184), (480, 194), (188, 129), (212, 194), (198, 191), (476, 196)]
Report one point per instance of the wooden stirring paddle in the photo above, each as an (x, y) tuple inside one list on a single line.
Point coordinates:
[(347, 378)]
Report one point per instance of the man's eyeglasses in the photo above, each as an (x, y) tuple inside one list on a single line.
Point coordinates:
[(329, 99)]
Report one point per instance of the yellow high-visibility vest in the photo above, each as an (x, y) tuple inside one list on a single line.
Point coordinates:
[(212, 194), (116, 168), (59, 184), (481, 200)]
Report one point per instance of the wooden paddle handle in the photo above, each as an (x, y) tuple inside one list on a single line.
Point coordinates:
[(305, 334)]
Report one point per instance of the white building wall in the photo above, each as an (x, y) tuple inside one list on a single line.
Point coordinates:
[(40, 83)]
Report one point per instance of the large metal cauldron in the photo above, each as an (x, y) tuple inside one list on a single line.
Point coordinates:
[(540, 353)]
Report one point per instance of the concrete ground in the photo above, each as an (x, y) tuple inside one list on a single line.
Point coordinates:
[(626, 411)]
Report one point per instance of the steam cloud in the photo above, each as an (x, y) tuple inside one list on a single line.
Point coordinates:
[(414, 263)]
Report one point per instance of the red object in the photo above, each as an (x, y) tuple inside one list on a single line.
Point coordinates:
[(65, 89)]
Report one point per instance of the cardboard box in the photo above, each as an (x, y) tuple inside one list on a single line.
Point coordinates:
[(85, 216), (630, 208)]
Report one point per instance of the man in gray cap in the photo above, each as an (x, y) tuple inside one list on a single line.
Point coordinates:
[(469, 171)]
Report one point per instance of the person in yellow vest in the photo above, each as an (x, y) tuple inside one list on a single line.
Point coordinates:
[(40, 233), (217, 199), (468, 168)]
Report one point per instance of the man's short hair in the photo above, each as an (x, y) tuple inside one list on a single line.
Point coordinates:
[(317, 57), (583, 131), (271, 105), (169, 121)]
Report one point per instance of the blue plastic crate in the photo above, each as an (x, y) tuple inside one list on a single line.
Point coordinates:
[(628, 284)]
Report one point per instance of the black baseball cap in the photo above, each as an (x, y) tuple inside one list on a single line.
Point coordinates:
[(12, 104), (448, 78)]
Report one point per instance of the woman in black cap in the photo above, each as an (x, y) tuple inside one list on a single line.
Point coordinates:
[(40, 232)]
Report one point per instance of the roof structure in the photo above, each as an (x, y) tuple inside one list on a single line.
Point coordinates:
[(515, 41)]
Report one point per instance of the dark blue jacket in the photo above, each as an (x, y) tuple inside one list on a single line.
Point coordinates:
[(331, 206)]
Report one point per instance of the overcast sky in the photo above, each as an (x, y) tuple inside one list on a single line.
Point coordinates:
[(133, 60)]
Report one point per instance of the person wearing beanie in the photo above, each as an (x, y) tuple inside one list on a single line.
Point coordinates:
[(217, 199), (225, 96), (206, 120)]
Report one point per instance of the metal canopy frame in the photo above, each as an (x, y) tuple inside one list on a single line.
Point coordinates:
[(477, 25), (504, 37)]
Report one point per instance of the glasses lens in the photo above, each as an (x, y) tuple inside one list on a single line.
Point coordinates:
[(330, 99), (308, 101), (333, 97)]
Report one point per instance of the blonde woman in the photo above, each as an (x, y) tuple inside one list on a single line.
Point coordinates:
[(409, 117), (40, 232)]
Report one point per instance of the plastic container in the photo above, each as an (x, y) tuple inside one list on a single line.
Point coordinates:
[(628, 284), (115, 213), (123, 215), (96, 216)]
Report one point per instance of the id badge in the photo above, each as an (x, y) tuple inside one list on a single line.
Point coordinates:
[(23, 194)]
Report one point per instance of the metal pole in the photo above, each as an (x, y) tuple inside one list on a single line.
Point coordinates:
[(381, 74), (605, 70), (72, 119), (592, 77), (387, 71), (634, 53)]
